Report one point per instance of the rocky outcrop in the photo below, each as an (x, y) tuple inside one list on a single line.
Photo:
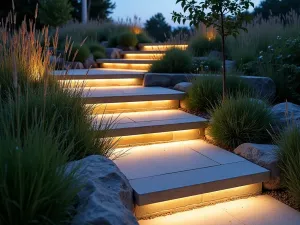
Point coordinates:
[(107, 195), (113, 53), (90, 62), (265, 156), (286, 113), (183, 86)]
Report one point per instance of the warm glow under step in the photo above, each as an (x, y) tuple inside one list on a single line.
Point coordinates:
[(161, 47), (100, 95), (171, 175), (99, 77), (259, 210), (139, 123), (126, 64), (152, 55)]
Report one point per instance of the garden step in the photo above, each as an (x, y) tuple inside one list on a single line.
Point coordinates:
[(100, 77), (138, 123), (136, 64), (154, 55), (258, 210), (169, 176), (161, 47), (100, 95)]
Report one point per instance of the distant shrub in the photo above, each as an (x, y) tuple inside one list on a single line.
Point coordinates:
[(36, 186), (96, 47), (144, 38), (289, 155), (79, 53), (127, 39), (174, 61), (113, 41), (240, 120), (206, 91), (209, 65), (99, 55), (201, 46)]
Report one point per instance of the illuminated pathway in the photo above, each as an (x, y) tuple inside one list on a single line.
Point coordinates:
[(170, 168)]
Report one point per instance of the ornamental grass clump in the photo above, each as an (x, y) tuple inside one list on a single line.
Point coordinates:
[(289, 160), (240, 120), (36, 187), (174, 61), (206, 91), (127, 39)]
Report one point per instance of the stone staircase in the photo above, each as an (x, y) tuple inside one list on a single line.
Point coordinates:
[(169, 166), (139, 60)]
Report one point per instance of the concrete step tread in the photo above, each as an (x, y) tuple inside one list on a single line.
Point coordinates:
[(134, 123), (98, 95), (75, 74), (169, 171), (126, 61), (259, 210)]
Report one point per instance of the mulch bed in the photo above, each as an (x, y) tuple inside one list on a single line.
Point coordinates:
[(284, 197)]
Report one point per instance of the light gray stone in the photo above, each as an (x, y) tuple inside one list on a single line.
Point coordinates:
[(90, 62), (264, 86), (286, 113), (183, 86), (113, 53), (265, 156), (107, 195)]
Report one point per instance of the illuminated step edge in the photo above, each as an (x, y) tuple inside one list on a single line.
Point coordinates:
[(140, 55), (139, 123), (101, 82), (121, 107), (161, 47), (130, 94), (196, 201), (129, 64)]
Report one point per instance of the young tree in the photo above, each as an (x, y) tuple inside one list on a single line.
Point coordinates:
[(55, 12), (158, 28), (227, 16)]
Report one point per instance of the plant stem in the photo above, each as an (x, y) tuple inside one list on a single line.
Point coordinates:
[(223, 55)]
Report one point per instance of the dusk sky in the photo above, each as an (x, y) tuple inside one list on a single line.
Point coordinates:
[(147, 8)]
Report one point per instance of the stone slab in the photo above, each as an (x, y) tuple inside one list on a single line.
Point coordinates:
[(126, 61), (260, 210), (97, 74), (136, 123), (101, 95)]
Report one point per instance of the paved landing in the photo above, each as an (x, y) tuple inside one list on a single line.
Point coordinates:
[(130, 94), (134, 123), (162, 172), (261, 210), (98, 74)]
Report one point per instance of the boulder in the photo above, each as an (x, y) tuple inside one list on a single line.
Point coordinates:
[(90, 62), (165, 79), (57, 62), (106, 197), (265, 156), (264, 86), (285, 113), (183, 86), (113, 53)]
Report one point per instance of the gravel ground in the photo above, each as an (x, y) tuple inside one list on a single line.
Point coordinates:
[(284, 197)]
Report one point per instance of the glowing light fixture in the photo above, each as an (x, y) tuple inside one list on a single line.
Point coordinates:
[(148, 56), (135, 106), (103, 82), (129, 66), (163, 47)]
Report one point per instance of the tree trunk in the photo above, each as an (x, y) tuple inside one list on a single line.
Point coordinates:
[(84, 16), (223, 57)]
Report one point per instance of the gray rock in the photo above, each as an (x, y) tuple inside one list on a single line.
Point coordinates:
[(113, 53), (104, 44), (286, 113), (107, 197), (154, 79), (215, 54), (90, 62), (183, 86), (264, 86), (57, 62), (265, 156)]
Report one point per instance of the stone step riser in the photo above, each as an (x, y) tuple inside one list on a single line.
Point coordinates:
[(126, 66), (102, 82), (144, 56), (161, 47)]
